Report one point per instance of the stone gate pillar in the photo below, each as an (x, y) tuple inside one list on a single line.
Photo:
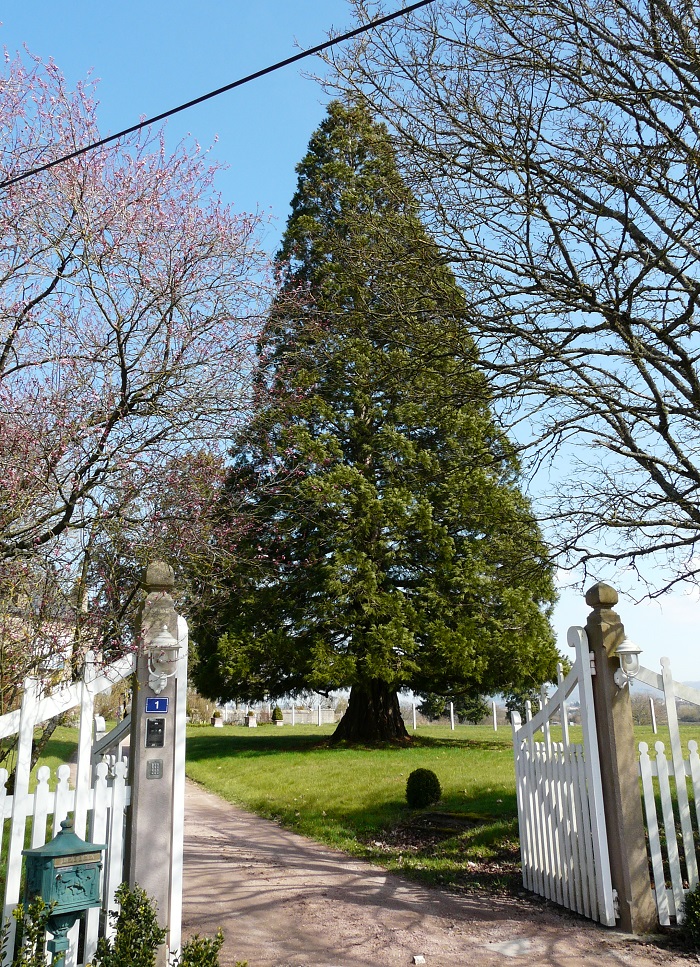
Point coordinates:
[(618, 763), (156, 756)]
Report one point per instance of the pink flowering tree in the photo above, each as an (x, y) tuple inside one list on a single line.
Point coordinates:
[(129, 306)]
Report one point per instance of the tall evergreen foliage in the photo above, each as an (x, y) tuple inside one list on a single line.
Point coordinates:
[(389, 546)]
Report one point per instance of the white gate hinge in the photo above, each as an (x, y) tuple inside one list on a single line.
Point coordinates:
[(591, 658), (616, 904)]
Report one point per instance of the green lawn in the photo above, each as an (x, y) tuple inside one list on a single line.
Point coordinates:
[(59, 749), (354, 798)]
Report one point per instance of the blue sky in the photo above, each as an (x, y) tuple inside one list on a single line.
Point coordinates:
[(152, 55)]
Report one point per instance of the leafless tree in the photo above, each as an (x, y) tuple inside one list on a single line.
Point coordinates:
[(555, 147)]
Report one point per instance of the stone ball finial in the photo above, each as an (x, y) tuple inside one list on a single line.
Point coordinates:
[(601, 595), (159, 577)]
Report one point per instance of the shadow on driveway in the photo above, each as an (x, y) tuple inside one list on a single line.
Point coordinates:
[(284, 901)]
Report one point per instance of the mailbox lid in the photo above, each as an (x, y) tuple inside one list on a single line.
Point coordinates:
[(66, 844)]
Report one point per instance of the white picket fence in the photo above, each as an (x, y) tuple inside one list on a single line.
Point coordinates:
[(563, 840), (665, 857), (98, 802)]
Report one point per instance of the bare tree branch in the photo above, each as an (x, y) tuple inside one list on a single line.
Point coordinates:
[(556, 151)]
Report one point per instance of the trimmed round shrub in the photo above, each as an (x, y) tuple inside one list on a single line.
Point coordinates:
[(277, 715), (422, 788)]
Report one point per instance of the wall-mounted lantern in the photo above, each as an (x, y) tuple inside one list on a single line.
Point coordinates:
[(628, 654), (163, 652)]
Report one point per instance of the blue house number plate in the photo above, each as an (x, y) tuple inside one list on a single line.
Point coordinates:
[(159, 705)]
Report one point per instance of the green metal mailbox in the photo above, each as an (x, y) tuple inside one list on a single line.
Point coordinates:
[(65, 873)]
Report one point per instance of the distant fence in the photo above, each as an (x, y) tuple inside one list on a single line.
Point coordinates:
[(299, 716), (412, 717)]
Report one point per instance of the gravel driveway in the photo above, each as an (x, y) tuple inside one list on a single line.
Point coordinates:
[(284, 901)]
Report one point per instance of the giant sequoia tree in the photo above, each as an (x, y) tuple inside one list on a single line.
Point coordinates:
[(388, 544)]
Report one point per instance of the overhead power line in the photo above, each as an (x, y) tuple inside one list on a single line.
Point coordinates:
[(221, 90)]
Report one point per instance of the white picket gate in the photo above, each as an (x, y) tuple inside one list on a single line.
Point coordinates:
[(563, 840), (666, 857), (98, 803)]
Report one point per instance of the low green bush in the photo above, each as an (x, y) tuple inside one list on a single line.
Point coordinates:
[(201, 952), (138, 937), (690, 928), (138, 934), (30, 943), (422, 788)]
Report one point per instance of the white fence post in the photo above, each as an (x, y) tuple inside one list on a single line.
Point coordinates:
[(20, 806), (413, 708), (83, 770), (114, 874), (452, 716), (495, 717), (679, 773), (595, 803)]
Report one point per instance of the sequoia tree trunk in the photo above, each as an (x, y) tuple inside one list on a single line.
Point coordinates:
[(373, 715)]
